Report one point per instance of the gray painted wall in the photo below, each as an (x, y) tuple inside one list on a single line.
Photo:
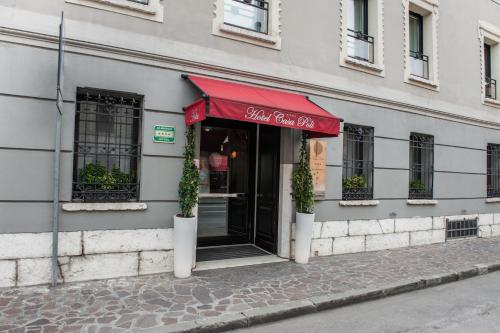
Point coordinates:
[(27, 88)]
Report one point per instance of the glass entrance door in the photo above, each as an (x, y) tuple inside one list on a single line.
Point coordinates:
[(226, 182)]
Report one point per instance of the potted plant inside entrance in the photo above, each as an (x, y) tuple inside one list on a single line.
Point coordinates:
[(303, 193), (185, 222)]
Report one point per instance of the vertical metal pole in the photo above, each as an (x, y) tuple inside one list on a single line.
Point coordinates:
[(57, 159), (256, 194)]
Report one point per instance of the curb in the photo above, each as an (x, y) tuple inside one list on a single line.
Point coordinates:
[(297, 308)]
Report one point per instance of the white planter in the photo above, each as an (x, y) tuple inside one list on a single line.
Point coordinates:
[(184, 245), (303, 236)]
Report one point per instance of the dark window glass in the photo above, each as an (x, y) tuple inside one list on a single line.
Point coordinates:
[(421, 166), (493, 171), (416, 33), (106, 150), (487, 60), (358, 12), (247, 14), (357, 171)]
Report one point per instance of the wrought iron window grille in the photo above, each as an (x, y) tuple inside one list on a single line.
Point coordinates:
[(421, 166), (493, 171), (107, 149), (360, 46), (491, 88), (461, 228), (252, 15), (420, 64), (357, 171)]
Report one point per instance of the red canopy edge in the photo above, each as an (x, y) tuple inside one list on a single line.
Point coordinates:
[(230, 100)]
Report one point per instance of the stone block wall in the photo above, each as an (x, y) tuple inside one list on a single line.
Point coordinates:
[(341, 237), (84, 255)]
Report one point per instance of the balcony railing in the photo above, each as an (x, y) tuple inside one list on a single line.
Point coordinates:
[(247, 14), (143, 2), (419, 64), (360, 45), (491, 88)]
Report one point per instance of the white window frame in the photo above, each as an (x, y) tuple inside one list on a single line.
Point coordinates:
[(152, 11), (491, 33), (270, 40), (431, 19), (376, 30)]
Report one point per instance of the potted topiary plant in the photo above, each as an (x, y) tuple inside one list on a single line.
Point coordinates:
[(185, 222), (303, 193)]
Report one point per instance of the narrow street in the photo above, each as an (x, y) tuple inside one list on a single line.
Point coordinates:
[(471, 305)]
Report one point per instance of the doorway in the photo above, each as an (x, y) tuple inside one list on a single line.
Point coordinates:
[(239, 182)]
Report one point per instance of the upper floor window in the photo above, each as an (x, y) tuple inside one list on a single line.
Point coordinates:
[(251, 21), (145, 9), (493, 171), (247, 14), (107, 149), (421, 67), (357, 170), (490, 82), (362, 35), (419, 61), (421, 166), (359, 42), (489, 36)]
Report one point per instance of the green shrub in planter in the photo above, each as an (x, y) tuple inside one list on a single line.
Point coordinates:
[(302, 182), (101, 178), (188, 186), (355, 182), (417, 186)]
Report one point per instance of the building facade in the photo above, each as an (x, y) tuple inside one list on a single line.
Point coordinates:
[(417, 160)]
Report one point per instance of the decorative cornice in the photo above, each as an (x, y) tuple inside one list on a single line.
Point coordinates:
[(74, 46)]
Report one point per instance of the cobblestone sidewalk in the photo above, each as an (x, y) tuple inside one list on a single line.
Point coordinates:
[(144, 302)]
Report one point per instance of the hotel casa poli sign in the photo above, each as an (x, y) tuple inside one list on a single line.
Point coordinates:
[(317, 163), (163, 134)]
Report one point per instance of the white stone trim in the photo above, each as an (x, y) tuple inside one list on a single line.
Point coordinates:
[(152, 11), (270, 40), (359, 203), (492, 33), (492, 200), (104, 206), (420, 202), (431, 7), (378, 66)]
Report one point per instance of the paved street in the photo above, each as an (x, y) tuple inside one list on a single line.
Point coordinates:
[(466, 306), (152, 301)]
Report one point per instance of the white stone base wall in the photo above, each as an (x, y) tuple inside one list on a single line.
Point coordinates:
[(84, 255), (341, 237)]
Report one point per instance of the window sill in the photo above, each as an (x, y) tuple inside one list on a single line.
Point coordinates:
[(421, 202), (493, 200), (152, 11), (491, 102), (244, 35), (364, 66), (424, 83), (104, 207), (359, 203)]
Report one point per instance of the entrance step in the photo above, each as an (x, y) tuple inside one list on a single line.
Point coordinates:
[(233, 256), (229, 252)]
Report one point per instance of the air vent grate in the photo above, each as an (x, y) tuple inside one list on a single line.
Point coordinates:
[(461, 228)]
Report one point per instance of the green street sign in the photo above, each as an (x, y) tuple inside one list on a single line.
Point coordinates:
[(164, 134)]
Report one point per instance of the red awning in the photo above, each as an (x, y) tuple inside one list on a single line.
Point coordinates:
[(229, 100)]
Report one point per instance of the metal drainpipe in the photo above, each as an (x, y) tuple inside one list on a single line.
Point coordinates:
[(57, 160)]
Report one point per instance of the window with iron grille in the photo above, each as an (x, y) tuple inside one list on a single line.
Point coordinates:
[(493, 171), (247, 14), (421, 166), (357, 171), (107, 147), (461, 228)]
